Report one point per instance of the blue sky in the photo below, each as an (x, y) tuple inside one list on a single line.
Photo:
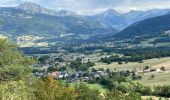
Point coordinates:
[(94, 6)]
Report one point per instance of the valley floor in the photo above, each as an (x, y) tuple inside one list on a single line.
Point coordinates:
[(160, 78), (154, 63)]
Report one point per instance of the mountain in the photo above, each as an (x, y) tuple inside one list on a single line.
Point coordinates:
[(114, 19), (19, 22), (66, 13), (32, 19), (34, 8), (149, 28), (135, 16), (110, 18)]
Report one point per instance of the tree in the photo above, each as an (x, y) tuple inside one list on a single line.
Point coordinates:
[(124, 87), (114, 95), (120, 62), (108, 70), (146, 67), (44, 58), (94, 70), (163, 68), (118, 95), (15, 73), (50, 89), (47, 88), (85, 93), (133, 96), (67, 93), (152, 76), (13, 65)]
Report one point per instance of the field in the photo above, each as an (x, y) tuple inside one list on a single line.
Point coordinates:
[(131, 65), (160, 78), (97, 86), (154, 98)]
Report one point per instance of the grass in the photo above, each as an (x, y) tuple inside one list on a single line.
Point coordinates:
[(160, 79), (132, 65), (97, 86), (154, 98)]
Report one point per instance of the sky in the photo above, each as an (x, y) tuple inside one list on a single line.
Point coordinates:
[(88, 7)]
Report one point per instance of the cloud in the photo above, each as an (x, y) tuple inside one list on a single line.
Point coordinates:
[(94, 6)]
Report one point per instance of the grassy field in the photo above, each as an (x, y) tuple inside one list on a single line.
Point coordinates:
[(160, 79), (154, 98), (131, 65), (97, 86)]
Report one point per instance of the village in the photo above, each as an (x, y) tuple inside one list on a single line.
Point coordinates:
[(61, 61)]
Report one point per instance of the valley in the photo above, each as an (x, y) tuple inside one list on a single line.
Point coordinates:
[(63, 55)]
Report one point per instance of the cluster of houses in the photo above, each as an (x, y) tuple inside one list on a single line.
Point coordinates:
[(75, 76), (60, 60)]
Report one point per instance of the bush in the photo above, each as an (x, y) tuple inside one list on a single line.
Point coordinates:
[(162, 90), (124, 87)]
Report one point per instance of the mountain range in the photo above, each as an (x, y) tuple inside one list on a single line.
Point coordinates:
[(32, 19), (120, 21)]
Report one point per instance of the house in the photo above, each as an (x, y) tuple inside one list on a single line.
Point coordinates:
[(85, 60), (96, 76), (63, 74), (85, 79), (39, 74), (158, 70)]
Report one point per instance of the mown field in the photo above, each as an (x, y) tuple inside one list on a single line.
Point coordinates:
[(159, 79), (131, 65)]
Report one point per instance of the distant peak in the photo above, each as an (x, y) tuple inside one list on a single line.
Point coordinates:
[(111, 11), (28, 4), (32, 7), (35, 8)]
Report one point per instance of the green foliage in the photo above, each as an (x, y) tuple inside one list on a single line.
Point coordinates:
[(139, 88), (17, 90), (124, 87), (50, 89), (43, 59), (109, 83), (85, 93), (117, 95), (13, 65), (162, 90), (78, 65), (16, 81)]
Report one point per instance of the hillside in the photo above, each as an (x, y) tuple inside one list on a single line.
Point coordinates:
[(149, 28), (27, 19)]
